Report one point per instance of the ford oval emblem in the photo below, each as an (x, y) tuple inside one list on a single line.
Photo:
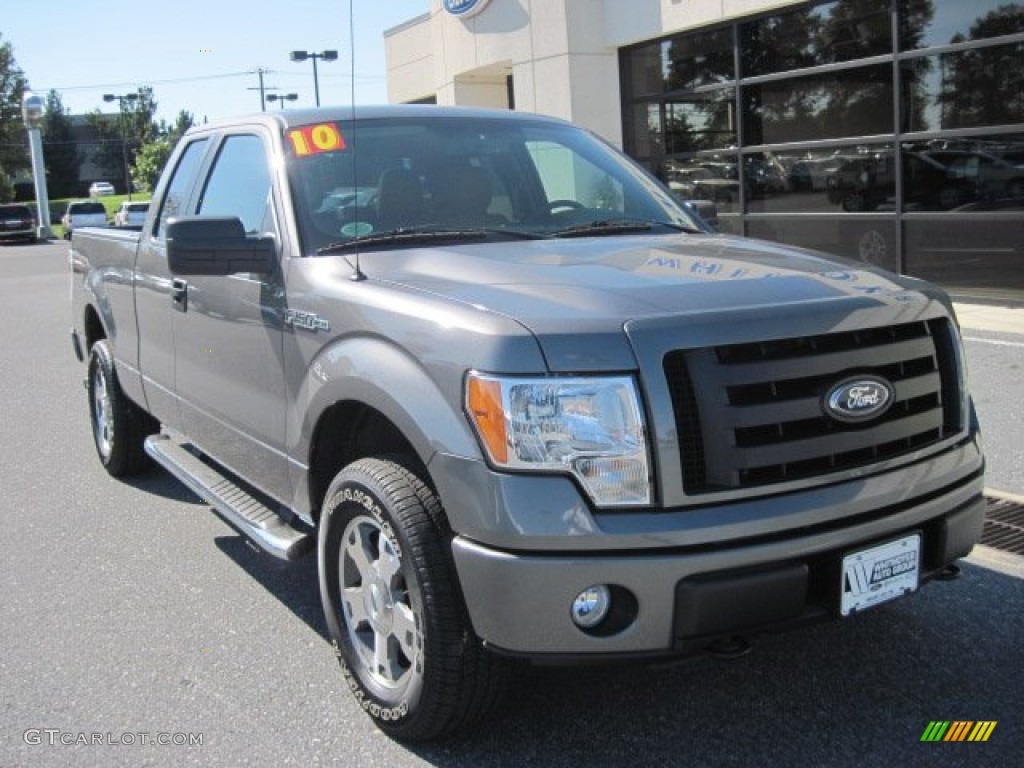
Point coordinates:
[(859, 399), (465, 8)]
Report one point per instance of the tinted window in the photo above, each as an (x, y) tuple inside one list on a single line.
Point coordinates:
[(646, 75), (87, 208), (926, 23), (694, 60), (181, 184), (714, 177), (683, 62), (239, 183), (967, 89), (796, 181), (822, 34), (977, 174), (848, 103), (701, 121)]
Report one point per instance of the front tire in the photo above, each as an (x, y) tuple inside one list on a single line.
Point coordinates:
[(119, 426), (393, 607)]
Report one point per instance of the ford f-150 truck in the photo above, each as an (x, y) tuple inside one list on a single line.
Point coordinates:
[(522, 402)]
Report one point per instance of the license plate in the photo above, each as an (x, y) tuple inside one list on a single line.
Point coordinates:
[(882, 573)]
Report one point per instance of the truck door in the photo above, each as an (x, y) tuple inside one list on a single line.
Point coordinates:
[(153, 287), (228, 330)]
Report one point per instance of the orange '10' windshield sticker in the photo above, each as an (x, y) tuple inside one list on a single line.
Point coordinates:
[(314, 139)]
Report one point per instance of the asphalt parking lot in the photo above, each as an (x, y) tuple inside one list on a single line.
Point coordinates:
[(128, 610)]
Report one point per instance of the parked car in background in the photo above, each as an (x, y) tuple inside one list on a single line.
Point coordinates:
[(101, 189), (17, 223), (83, 213), (131, 214), (994, 177), (865, 182)]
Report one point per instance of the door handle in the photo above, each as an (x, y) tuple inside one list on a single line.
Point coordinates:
[(179, 294)]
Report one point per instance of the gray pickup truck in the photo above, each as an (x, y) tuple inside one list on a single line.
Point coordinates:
[(522, 402)]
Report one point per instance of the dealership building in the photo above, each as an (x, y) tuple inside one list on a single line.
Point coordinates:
[(889, 131)]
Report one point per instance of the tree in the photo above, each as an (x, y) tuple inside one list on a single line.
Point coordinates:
[(59, 148), (153, 155), (984, 86), (150, 162), (121, 136), (14, 154)]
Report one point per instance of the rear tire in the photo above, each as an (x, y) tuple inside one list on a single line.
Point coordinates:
[(393, 607), (854, 202), (119, 426)]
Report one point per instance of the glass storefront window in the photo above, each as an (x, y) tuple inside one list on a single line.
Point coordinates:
[(644, 71), (935, 249), (967, 89), (968, 174), (873, 240), (692, 61), (815, 162), (853, 102), (927, 23), (815, 180), (712, 177), (645, 131), (817, 35), (700, 122)]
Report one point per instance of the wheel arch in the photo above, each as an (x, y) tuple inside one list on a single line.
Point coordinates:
[(346, 432), (367, 397), (93, 327)]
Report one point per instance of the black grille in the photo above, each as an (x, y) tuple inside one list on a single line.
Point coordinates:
[(751, 414)]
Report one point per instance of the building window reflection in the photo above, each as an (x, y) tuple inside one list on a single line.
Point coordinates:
[(817, 111)]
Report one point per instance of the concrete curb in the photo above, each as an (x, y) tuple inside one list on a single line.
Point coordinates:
[(984, 317)]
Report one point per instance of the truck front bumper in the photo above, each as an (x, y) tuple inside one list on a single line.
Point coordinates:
[(682, 599)]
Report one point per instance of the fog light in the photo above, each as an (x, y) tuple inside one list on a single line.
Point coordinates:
[(591, 606)]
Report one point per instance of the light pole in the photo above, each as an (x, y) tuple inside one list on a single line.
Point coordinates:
[(121, 99), (282, 97), (325, 55), (32, 114)]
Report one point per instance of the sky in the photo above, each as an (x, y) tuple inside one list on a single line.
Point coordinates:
[(196, 54)]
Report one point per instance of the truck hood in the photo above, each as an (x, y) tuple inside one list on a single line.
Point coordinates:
[(578, 296)]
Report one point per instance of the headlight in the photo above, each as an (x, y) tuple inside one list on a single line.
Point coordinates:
[(591, 428)]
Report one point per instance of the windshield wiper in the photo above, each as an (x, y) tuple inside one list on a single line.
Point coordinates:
[(619, 227), (426, 234)]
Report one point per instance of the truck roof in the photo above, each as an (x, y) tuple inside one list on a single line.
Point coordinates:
[(295, 117)]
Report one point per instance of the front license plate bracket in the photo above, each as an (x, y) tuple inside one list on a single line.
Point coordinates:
[(878, 574)]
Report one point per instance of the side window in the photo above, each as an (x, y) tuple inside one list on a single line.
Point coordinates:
[(181, 183), (567, 176), (239, 184)]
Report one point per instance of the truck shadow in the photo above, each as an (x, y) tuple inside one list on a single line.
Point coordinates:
[(159, 482), (296, 585)]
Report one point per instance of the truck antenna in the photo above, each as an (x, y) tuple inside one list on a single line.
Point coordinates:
[(357, 275)]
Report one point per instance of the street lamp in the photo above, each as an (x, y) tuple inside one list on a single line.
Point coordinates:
[(121, 99), (32, 109), (282, 97), (325, 55)]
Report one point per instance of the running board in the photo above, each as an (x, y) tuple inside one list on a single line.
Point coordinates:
[(238, 508)]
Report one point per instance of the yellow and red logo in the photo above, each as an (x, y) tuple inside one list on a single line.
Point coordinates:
[(314, 139), (959, 730)]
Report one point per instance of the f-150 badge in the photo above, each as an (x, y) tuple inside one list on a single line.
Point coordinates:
[(307, 320)]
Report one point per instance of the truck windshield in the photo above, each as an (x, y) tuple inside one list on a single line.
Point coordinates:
[(500, 178)]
